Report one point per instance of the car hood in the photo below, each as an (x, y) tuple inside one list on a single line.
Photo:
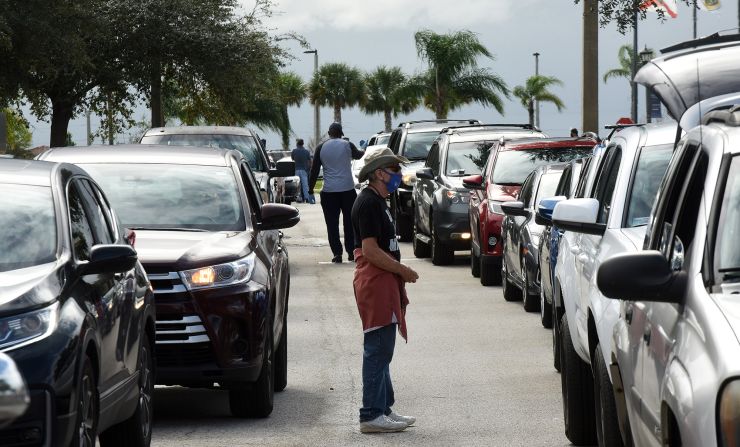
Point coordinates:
[(729, 304), (184, 249), (682, 79), (30, 287), (502, 193), (412, 167)]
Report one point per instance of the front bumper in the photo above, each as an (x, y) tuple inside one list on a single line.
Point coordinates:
[(453, 226), (405, 201), (35, 427), (207, 336), (491, 241)]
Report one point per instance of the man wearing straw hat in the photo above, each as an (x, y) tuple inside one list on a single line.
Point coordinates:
[(380, 290)]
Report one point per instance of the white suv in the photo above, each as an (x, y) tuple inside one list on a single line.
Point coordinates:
[(610, 219)]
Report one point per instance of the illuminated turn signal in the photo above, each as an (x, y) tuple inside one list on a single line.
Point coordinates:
[(203, 276)]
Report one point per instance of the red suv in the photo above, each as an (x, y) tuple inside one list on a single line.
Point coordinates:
[(509, 163)]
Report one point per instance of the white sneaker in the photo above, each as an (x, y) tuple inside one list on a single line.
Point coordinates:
[(382, 424), (408, 420)]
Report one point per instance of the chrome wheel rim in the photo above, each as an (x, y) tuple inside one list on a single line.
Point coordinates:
[(87, 409), (145, 393)]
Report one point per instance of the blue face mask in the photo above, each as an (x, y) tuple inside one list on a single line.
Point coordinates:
[(394, 182)]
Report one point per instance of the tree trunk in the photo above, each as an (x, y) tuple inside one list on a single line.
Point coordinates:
[(156, 94), (109, 118), (590, 107), (3, 133), (438, 111), (388, 124), (530, 109), (61, 113), (285, 129), (337, 113)]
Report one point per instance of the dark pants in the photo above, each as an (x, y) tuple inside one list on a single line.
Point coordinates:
[(377, 389), (332, 203)]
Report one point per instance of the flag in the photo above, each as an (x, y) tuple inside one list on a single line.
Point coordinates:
[(708, 5), (667, 6)]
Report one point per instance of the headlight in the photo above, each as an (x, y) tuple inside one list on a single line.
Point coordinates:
[(221, 275), (457, 197), (495, 207), (28, 327), (409, 178), (728, 417)]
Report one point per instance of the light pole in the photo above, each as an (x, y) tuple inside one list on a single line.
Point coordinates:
[(316, 114), (633, 85), (537, 103), (646, 56)]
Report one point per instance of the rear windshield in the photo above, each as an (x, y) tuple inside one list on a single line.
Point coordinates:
[(513, 167), (467, 158), (242, 143), (651, 167), (161, 196), (28, 232), (417, 144)]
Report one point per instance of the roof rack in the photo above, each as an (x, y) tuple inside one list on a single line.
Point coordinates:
[(615, 127), (439, 121), (520, 126), (702, 41), (730, 116)]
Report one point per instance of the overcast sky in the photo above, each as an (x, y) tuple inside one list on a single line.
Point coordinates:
[(380, 32)]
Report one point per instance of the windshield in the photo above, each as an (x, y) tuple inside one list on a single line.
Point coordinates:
[(382, 139), (512, 167), (417, 144), (160, 196), (548, 185), (467, 158), (28, 233), (242, 143), (651, 167), (726, 253)]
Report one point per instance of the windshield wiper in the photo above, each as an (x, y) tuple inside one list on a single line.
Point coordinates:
[(197, 230)]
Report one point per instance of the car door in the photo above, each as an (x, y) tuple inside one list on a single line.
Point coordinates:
[(424, 190), (101, 296), (513, 226), (477, 197)]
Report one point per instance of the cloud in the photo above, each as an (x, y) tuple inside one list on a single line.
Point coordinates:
[(302, 16)]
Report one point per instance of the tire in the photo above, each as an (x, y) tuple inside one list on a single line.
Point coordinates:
[(136, 431), (421, 250), (545, 307), (489, 276), (607, 425), (474, 264), (531, 302), (511, 293), (578, 392), (88, 407), (404, 228), (441, 253), (255, 400), (281, 359), (556, 331)]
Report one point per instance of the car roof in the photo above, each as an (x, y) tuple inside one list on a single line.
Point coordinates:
[(198, 130), (546, 143), (635, 137), (31, 172), (140, 154), (477, 134), (426, 126)]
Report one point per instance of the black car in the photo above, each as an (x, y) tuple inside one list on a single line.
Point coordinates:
[(216, 260), (521, 235), (77, 313)]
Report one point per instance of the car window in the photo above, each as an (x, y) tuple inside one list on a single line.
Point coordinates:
[(170, 196), (607, 182), (726, 250), (525, 194), (95, 214), (254, 195), (432, 161), (245, 144), (382, 139), (467, 158), (513, 166), (580, 191), (417, 144), (563, 187), (547, 186), (649, 171), (28, 231), (82, 233), (110, 216)]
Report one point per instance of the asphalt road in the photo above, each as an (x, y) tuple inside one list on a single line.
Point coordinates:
[(476, 371)]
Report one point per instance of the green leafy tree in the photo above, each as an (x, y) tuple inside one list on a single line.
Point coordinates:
[(388, 93), (453, 78), (19, 137), (338, 86), (622, 12), (536, 88), (291, 92), (625, 65)]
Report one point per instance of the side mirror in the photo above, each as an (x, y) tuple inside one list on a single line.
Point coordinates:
[(543, 216), (644, 276), (110, 259), (514, 208), (473, 182), (578, 215), (14, 398), (425, 173), (276, 216), (283, 168)]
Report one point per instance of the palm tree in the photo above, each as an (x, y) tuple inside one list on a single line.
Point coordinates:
[(291, 92), (388, 93), (625, 65), (337, 85), (536, 89), (454, 78)]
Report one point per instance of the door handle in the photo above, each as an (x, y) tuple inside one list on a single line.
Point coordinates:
[(118, 276), (628, 313), (583, 258), (647, 334), (280, 249)]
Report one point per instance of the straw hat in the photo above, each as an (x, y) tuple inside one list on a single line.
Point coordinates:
[(380, 159)]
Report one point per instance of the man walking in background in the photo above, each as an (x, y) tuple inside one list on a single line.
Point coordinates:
[(302, 158), (338, 194)]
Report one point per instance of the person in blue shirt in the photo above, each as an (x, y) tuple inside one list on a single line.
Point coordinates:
[(302, 158)]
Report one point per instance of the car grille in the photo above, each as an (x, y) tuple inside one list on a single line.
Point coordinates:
[(168, 287), (182, 341)]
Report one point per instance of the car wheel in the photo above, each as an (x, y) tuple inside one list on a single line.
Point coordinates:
[(441, 253), (545, 307), (556, 331), (88, 407), (607, 425), (511, 293), (256, 399), (421, 250), (577, 390), (474, 264), (531, 302), (137, 430), (281, 358)]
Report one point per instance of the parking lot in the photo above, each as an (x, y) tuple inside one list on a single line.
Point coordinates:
[(476, 370)]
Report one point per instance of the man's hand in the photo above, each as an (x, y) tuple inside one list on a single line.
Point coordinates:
[(408, 274)]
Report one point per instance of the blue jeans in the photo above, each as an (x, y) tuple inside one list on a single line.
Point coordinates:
[(303, 175), (377, 389)]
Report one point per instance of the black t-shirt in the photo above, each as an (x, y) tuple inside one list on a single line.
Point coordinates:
[(372, 218)]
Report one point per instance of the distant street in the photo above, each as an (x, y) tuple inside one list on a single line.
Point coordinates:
[(477, 371)]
